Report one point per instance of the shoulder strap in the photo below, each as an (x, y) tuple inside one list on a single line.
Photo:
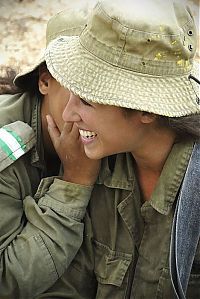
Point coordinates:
[(186, 226), (16, 139)]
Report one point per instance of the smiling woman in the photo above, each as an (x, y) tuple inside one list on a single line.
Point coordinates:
[(134, 96)]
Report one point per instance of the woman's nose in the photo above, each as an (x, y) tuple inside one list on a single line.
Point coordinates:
[(71, 111)]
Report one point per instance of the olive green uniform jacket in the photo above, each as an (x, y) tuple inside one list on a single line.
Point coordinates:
[(125, 253), (40, 217)]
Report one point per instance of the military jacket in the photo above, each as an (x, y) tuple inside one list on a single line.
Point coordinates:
[(40, 227), (125, 253)]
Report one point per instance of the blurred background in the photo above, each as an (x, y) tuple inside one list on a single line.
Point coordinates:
[(23, 27)]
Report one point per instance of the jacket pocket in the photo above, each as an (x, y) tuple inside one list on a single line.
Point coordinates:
[(110, 266)]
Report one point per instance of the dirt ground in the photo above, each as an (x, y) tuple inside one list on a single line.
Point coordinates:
[(23, 26)]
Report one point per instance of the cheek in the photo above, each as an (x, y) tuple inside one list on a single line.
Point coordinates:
[(117, 132), (59, 112), (61, 102), (56, 112)]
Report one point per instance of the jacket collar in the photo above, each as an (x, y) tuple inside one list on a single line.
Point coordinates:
[(164, 195), (168, 185), (122, 175), (37, 155)]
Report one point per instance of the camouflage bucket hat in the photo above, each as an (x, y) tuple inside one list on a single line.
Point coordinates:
[(69, 22), (134, 54)]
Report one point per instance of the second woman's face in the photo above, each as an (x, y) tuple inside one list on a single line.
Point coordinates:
[(55, 98), (104, 129)]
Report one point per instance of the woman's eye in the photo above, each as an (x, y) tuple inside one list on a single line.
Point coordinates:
[(85, 102)]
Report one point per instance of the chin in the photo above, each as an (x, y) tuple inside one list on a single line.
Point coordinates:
[(94, 155)]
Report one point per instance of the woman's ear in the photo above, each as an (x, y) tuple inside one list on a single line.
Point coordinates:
[(147, 118), (44, 81)]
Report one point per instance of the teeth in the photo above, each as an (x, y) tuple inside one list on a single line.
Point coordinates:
[(87, 134)]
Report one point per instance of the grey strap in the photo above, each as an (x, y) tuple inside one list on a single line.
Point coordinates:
[(186, 227)]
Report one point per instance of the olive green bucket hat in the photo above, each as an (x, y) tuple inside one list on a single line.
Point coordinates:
[(134, 54), (69, 22)]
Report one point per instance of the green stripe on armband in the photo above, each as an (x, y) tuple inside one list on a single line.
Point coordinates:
[(11, 144), (7, 150)]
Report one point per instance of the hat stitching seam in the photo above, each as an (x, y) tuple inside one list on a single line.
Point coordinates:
[(187, 23), (167, 64), (184, 75), (64, 30)]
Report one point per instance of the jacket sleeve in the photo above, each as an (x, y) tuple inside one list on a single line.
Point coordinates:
[(79, 280), (40, 235)]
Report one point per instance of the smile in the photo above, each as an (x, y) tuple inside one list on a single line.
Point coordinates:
[(87, 134)]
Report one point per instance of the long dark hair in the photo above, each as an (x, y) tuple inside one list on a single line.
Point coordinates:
[(6, 82), (185, 127), (29, 83)]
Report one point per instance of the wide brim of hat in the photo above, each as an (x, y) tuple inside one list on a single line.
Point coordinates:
[(22, 79), (97, 81)]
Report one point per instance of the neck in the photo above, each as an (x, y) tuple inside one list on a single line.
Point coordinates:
[(150, 158), (154, 150)]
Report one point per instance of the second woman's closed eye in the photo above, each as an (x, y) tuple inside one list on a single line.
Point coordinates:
[(85, 102)]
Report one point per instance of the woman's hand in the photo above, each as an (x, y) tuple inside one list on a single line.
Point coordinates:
[(78, 168)]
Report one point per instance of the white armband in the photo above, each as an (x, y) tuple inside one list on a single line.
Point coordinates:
[(16, 139)]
